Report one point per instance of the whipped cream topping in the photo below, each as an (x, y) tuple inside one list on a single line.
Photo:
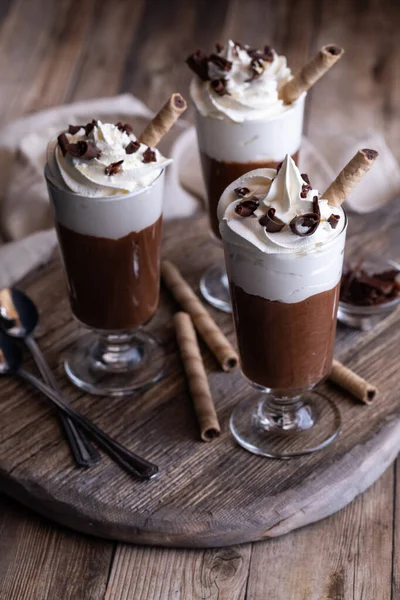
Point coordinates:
[(289, 195), (243, 86), (105, 175)]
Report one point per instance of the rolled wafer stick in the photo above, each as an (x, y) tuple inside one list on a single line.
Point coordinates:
[(204, 323), (350, 176), (353, 383), (163, 121), (310, 73), (197, 377)]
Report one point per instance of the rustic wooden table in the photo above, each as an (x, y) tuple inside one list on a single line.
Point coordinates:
[(60, 51)]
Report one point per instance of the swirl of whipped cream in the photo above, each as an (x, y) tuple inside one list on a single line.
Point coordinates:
[(247, 98), (283, 192), (88, 176)]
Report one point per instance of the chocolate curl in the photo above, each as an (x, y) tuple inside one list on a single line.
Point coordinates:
[(352, 383), (310, 73), (350, 176), (203, 321), (197, 377), (163, 121)]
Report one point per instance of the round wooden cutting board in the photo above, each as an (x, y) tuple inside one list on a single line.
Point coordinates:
[(212, 494)]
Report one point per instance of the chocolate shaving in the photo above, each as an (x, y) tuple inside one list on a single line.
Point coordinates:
[(198, 63), (247, 207), (83, 149), (219, 86), (316, 208), (360, 288), (132, 147), (306, 178), (90, 126), (219, 46), (114, 168), (241, 191), (271, 223), (333, 220), (278, 167), (310, 220), (305, 188), (63, 143), (149, 156), (257, 69), (267, 54), (73, 129), (220, 62), (125, 127)]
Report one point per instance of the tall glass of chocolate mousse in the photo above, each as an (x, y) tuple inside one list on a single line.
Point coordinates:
[(284, 249), (106, 190), (249, 115)]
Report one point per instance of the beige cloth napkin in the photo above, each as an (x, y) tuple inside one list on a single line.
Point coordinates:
[(24, 207)]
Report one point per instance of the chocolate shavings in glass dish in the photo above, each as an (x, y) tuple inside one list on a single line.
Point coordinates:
[(368, 289)]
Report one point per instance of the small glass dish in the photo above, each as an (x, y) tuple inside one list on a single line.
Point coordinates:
[(366, 317)]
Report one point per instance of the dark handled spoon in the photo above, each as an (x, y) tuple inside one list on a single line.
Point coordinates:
[(10, 364), (19, 318)]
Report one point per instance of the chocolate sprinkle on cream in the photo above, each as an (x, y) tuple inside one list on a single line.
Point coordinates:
[(305, 188), (73, 129), (315, 207), (198, 63), (63, 143), (310, 221), (220, 62), (124, 127), (257, 69), (114, 168), (271, 223), (83, 149), (149, 156), (132, 147), (241, 191), (90, 126), (219, 46), (306, 178), (246, 208), (219, 86), (333, 220)]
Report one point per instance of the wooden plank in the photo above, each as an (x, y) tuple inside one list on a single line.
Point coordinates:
[(152, 573), (42, 562), (348, 557), (100, 69)]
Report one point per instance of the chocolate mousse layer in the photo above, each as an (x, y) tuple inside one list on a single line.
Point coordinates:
[(113, 284), (218, 175), (283, 345)]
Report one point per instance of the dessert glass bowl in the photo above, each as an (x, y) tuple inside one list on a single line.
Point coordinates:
[(366, 317)]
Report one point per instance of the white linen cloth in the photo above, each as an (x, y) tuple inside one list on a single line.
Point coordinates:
[(25, 219)]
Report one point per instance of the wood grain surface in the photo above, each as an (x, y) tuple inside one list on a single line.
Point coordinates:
[(52, 52)]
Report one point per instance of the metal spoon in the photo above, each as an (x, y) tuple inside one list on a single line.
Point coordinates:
[(10, 364), (19, 318)]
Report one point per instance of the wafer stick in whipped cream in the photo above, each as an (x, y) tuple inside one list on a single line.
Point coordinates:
[(197, 377), (326, 57), (350, 176), (203, 321), (353, 383), (163, 121)]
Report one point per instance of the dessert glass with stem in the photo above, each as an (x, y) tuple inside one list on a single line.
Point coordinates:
[(110, 249), (284, 301)]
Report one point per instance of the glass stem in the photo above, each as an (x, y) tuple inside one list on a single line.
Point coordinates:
[(116, 352), (284, 414)]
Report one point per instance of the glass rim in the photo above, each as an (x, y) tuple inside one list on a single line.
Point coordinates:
[(50, 181), (291, 254)]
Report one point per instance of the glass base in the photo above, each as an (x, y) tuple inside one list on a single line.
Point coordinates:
[(269, 427), (214, 287), (116, 364)]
